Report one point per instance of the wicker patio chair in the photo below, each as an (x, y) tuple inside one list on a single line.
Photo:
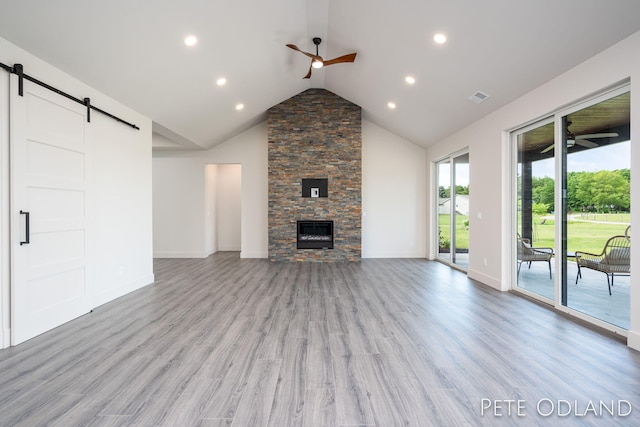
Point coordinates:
[(613, 260), (529, 254)]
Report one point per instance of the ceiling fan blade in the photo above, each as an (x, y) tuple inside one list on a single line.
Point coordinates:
[(549, 148), (344, 58), (586, 143), (308, 76), (597, 135), (310, 55)]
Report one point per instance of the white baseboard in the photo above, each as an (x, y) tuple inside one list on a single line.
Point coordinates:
[(633, 340), (366, 254), (180, 254), (243, 254), (5, 338), (124, 289), (484, 279), (230, 248)]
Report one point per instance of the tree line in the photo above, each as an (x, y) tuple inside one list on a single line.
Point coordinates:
[(603, 191), (445, 192)]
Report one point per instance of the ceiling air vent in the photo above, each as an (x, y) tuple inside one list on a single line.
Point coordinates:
[(478, 97)]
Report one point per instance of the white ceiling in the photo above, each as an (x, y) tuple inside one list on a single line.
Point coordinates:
[(134, 52)]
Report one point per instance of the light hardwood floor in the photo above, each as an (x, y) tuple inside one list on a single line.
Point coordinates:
[(225, 341)]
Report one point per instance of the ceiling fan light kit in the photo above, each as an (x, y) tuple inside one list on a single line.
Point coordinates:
[(317, 61), (571, 139)]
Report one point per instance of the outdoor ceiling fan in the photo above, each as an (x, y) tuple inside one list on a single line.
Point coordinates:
[(583, 140), (317, 61)]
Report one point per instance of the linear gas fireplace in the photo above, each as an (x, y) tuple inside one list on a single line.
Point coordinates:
[(315, 234)]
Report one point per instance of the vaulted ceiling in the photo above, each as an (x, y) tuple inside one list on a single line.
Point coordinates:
[(134, 51)]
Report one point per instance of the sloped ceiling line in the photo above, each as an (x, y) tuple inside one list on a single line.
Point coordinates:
[(494, 46)]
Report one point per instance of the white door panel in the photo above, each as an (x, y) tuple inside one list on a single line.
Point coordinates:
[(50, 153), (54, 290), (48, 162), (56, 247), (53, 119), (59, 204)]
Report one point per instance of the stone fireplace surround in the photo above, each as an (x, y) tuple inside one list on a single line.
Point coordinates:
[(315, 135)]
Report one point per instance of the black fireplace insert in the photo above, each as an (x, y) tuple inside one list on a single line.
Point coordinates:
[(315, 234)]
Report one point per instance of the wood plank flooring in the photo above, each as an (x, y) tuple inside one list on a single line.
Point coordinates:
[(225, 341)]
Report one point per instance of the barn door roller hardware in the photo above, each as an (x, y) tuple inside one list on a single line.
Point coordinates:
[(18, 70)]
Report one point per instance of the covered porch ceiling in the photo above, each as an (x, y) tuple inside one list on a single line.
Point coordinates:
[(611, 116)]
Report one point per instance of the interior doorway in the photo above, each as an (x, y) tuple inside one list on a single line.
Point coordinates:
[(223, 207)]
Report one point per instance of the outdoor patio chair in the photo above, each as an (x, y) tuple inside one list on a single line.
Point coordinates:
[(527, 253), (613, 260)]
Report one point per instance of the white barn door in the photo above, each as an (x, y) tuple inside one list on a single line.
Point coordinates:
[(50, 253)]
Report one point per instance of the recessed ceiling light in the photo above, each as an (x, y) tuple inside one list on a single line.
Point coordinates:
[(221, 81), (190, 40), (440, 38), (410, 79), (239, 107), (391, 105)]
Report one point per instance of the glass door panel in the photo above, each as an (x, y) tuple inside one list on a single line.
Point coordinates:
[(444, 210), (596, 209), (535, 225), (460, 197)]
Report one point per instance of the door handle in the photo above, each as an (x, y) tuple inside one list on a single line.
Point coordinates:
[(27, 233)]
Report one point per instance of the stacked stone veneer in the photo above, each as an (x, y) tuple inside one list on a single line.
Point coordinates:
[(315, 134)]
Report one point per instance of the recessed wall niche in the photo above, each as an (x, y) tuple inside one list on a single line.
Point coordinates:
[(315, 135), (315, 187)]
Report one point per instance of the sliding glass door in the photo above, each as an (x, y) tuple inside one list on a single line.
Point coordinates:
[(453, 209), (596, 210), (572, 209)]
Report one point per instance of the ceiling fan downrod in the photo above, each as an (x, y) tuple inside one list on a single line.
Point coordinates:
[(316, 63)]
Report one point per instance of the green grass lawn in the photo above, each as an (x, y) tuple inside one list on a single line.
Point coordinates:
[(462, 231), (611, 217), (582, 235)]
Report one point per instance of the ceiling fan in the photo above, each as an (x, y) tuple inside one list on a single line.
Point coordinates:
[(583, 140), (317, 61)]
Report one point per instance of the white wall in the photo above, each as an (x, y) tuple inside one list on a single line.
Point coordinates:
[(487, 139), (394, 194), (211, 209), (179, 208), (229, 212), (123, 208), (121, 173), (179, 196)]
